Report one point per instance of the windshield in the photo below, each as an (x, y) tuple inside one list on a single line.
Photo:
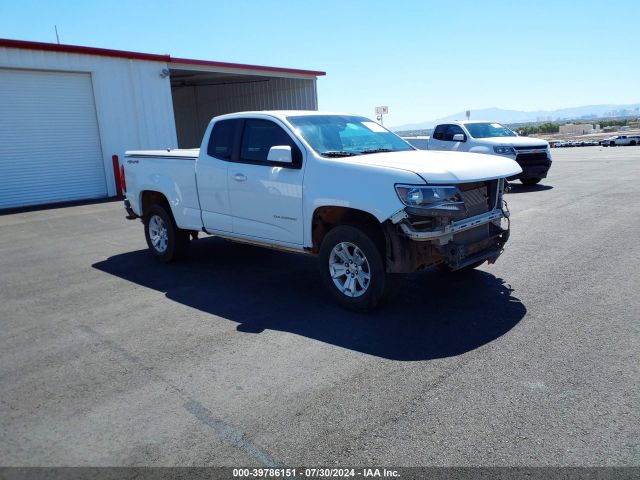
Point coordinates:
[(488, 130), (346, 135)]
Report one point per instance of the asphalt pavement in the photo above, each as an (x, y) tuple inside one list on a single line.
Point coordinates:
[(237, 356)]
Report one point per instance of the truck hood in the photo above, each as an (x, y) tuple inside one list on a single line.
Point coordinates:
[(444, 167), (514, 141)]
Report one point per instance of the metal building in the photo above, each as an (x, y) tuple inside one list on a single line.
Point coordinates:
[(66, 110)]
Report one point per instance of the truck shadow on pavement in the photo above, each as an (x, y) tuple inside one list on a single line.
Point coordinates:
[(432, 315)]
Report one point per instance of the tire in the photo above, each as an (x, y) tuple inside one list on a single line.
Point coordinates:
[(353, 249), (530, 181), (633, 143), (444, 268), (165, 240)]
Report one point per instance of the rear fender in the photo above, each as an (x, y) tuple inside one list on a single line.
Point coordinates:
[(185, 217)]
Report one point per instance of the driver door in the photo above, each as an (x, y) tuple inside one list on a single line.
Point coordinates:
[(266, 197)]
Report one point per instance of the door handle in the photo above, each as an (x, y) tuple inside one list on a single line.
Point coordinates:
[(239, 177)]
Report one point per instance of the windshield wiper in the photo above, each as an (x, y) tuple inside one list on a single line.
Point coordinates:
[(377, 150), (338, 153)]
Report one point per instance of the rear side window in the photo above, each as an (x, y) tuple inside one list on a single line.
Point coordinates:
[(221, 140), (451, 131), (259, 136), (438, 133)]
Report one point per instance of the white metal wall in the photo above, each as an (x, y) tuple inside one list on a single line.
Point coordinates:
[(194, 106), (133, 103)]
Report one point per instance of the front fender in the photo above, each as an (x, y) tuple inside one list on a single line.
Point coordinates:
[(482, 149), (370, 189)]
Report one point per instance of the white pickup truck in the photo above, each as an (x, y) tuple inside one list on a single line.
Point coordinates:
[(340, 187), (532, 154), (624, 140)]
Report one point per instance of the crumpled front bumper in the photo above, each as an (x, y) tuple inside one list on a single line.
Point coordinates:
[(463, 242), (445, 234), (459, 255)]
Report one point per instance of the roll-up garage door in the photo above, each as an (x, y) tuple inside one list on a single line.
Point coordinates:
[(49, 139)]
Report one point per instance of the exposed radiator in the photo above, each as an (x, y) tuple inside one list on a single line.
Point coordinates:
[(476, 198)]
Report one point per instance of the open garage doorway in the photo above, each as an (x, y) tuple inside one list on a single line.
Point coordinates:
[(204, 91)]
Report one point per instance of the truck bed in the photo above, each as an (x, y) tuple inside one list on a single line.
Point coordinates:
[(169, 171)]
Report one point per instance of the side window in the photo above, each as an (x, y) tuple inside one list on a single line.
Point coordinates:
[(438, 133), (221, 140), (451, 131), (259, 136)]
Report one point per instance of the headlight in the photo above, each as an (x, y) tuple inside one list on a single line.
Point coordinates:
[(504, 150), (432, 200)]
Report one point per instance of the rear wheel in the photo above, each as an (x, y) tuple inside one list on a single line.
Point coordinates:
[(530, 181), (352, 268), (165, 240)]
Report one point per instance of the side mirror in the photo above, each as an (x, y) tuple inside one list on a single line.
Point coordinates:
[(459, 137), (280, 154)]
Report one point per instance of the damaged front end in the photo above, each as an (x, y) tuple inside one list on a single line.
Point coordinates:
[(456, 225)]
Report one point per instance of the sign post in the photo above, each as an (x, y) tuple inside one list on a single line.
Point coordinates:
[(468, 114), (380, 111)]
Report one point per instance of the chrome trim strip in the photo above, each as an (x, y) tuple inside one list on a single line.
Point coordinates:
[(172, 157)]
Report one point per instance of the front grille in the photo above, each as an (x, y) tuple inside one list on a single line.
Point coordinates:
[(535, 147), (476, 197), (528, 159)]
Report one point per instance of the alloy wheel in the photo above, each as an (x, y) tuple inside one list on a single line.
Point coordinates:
[(158, 233), (349, 269)]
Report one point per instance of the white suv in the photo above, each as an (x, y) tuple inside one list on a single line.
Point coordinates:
[(532, 154)]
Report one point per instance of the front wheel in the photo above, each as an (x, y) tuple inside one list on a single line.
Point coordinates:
[(352, 268), (165, 240), (530, 181)]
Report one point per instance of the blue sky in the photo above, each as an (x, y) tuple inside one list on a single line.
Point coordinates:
[(424, 59)]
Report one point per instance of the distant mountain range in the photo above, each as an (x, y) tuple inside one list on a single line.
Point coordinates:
[(516, 116)]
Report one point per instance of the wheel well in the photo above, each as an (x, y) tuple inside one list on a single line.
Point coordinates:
[(149, 198), (326, 218)]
